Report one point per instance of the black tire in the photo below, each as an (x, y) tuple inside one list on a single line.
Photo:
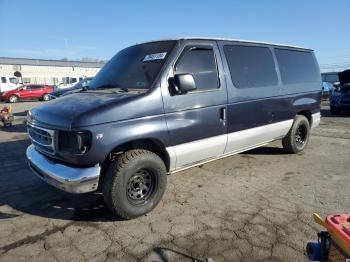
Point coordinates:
[(298, 135), (45, 97), (13, 99), (334, 111), (122, 184)]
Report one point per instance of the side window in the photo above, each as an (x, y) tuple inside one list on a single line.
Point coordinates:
[(35, 87), (73, 80), (13, 80), (3, 79), (201, 64), (251, 66), (296, 66)]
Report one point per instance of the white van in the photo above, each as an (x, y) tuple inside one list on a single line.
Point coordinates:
[(8, 83), (70, 81)]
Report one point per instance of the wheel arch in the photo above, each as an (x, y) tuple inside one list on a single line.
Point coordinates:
[(307, 114), (150, 144)]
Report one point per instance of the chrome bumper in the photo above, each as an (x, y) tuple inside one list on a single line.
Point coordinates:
[(67, 178)]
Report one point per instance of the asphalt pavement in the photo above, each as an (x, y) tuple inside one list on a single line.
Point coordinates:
[(253, 206)]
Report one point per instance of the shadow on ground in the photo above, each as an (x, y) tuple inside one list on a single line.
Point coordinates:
[(23, 113), (164, 254), (22, 191), (265, 150), (15, 128)]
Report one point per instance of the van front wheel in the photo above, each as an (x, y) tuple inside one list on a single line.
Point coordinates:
[(298, 136), (134, 183)]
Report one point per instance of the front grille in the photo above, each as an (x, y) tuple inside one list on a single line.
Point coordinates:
[(42, 139)]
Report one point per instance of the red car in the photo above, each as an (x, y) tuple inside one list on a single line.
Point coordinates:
[(27, 92)]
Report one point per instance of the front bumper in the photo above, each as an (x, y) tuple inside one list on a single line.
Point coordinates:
[(70, 179)]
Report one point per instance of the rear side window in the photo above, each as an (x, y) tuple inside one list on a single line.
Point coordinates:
[(251, 66), (3, 79), (201, 64), (296, 66)]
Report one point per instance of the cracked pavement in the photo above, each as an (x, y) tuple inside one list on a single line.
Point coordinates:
[(253, 206)]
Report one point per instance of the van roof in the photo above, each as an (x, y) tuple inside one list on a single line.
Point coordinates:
[(232, 40)]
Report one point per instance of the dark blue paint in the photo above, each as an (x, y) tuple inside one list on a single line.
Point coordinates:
[(174, 119), (195, 115)]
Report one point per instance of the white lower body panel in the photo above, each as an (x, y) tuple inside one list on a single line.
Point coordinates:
[(196, 151), (193, 153), (257, 135), (316, 118)]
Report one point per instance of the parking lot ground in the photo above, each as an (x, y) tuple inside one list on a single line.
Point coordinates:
[(249, 207)]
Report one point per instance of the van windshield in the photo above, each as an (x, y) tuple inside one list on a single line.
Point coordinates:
[(135, 67)]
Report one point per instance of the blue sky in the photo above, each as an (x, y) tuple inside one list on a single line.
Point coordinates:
[(98, 29)]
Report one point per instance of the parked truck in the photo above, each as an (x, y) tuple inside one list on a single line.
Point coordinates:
[(8, 83)]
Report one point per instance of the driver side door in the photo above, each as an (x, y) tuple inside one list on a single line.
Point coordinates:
[(196, 120)]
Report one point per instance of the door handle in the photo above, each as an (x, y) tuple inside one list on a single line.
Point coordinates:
[(223, 114)]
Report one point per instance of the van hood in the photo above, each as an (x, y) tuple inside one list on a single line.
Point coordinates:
[(344, 77), (84, 109)]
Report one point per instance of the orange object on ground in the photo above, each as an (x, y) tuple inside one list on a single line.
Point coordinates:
[(339, 228), (341, 224)]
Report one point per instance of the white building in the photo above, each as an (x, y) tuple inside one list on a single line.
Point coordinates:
[(51, 72)]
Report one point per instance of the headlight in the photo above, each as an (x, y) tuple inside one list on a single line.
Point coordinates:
[(74, 142)]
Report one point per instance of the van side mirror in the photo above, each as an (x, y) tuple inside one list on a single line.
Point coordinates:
[(184, 82)]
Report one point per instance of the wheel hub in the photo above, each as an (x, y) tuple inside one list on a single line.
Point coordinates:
[(300, 136), (140, 186)]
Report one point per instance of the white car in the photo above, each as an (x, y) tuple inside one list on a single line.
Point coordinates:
[(8, 83)]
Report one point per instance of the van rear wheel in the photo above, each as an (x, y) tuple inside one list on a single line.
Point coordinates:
[(134, 183), (298, 135)]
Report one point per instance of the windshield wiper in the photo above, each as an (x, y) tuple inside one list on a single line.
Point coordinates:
[(124, 89)]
